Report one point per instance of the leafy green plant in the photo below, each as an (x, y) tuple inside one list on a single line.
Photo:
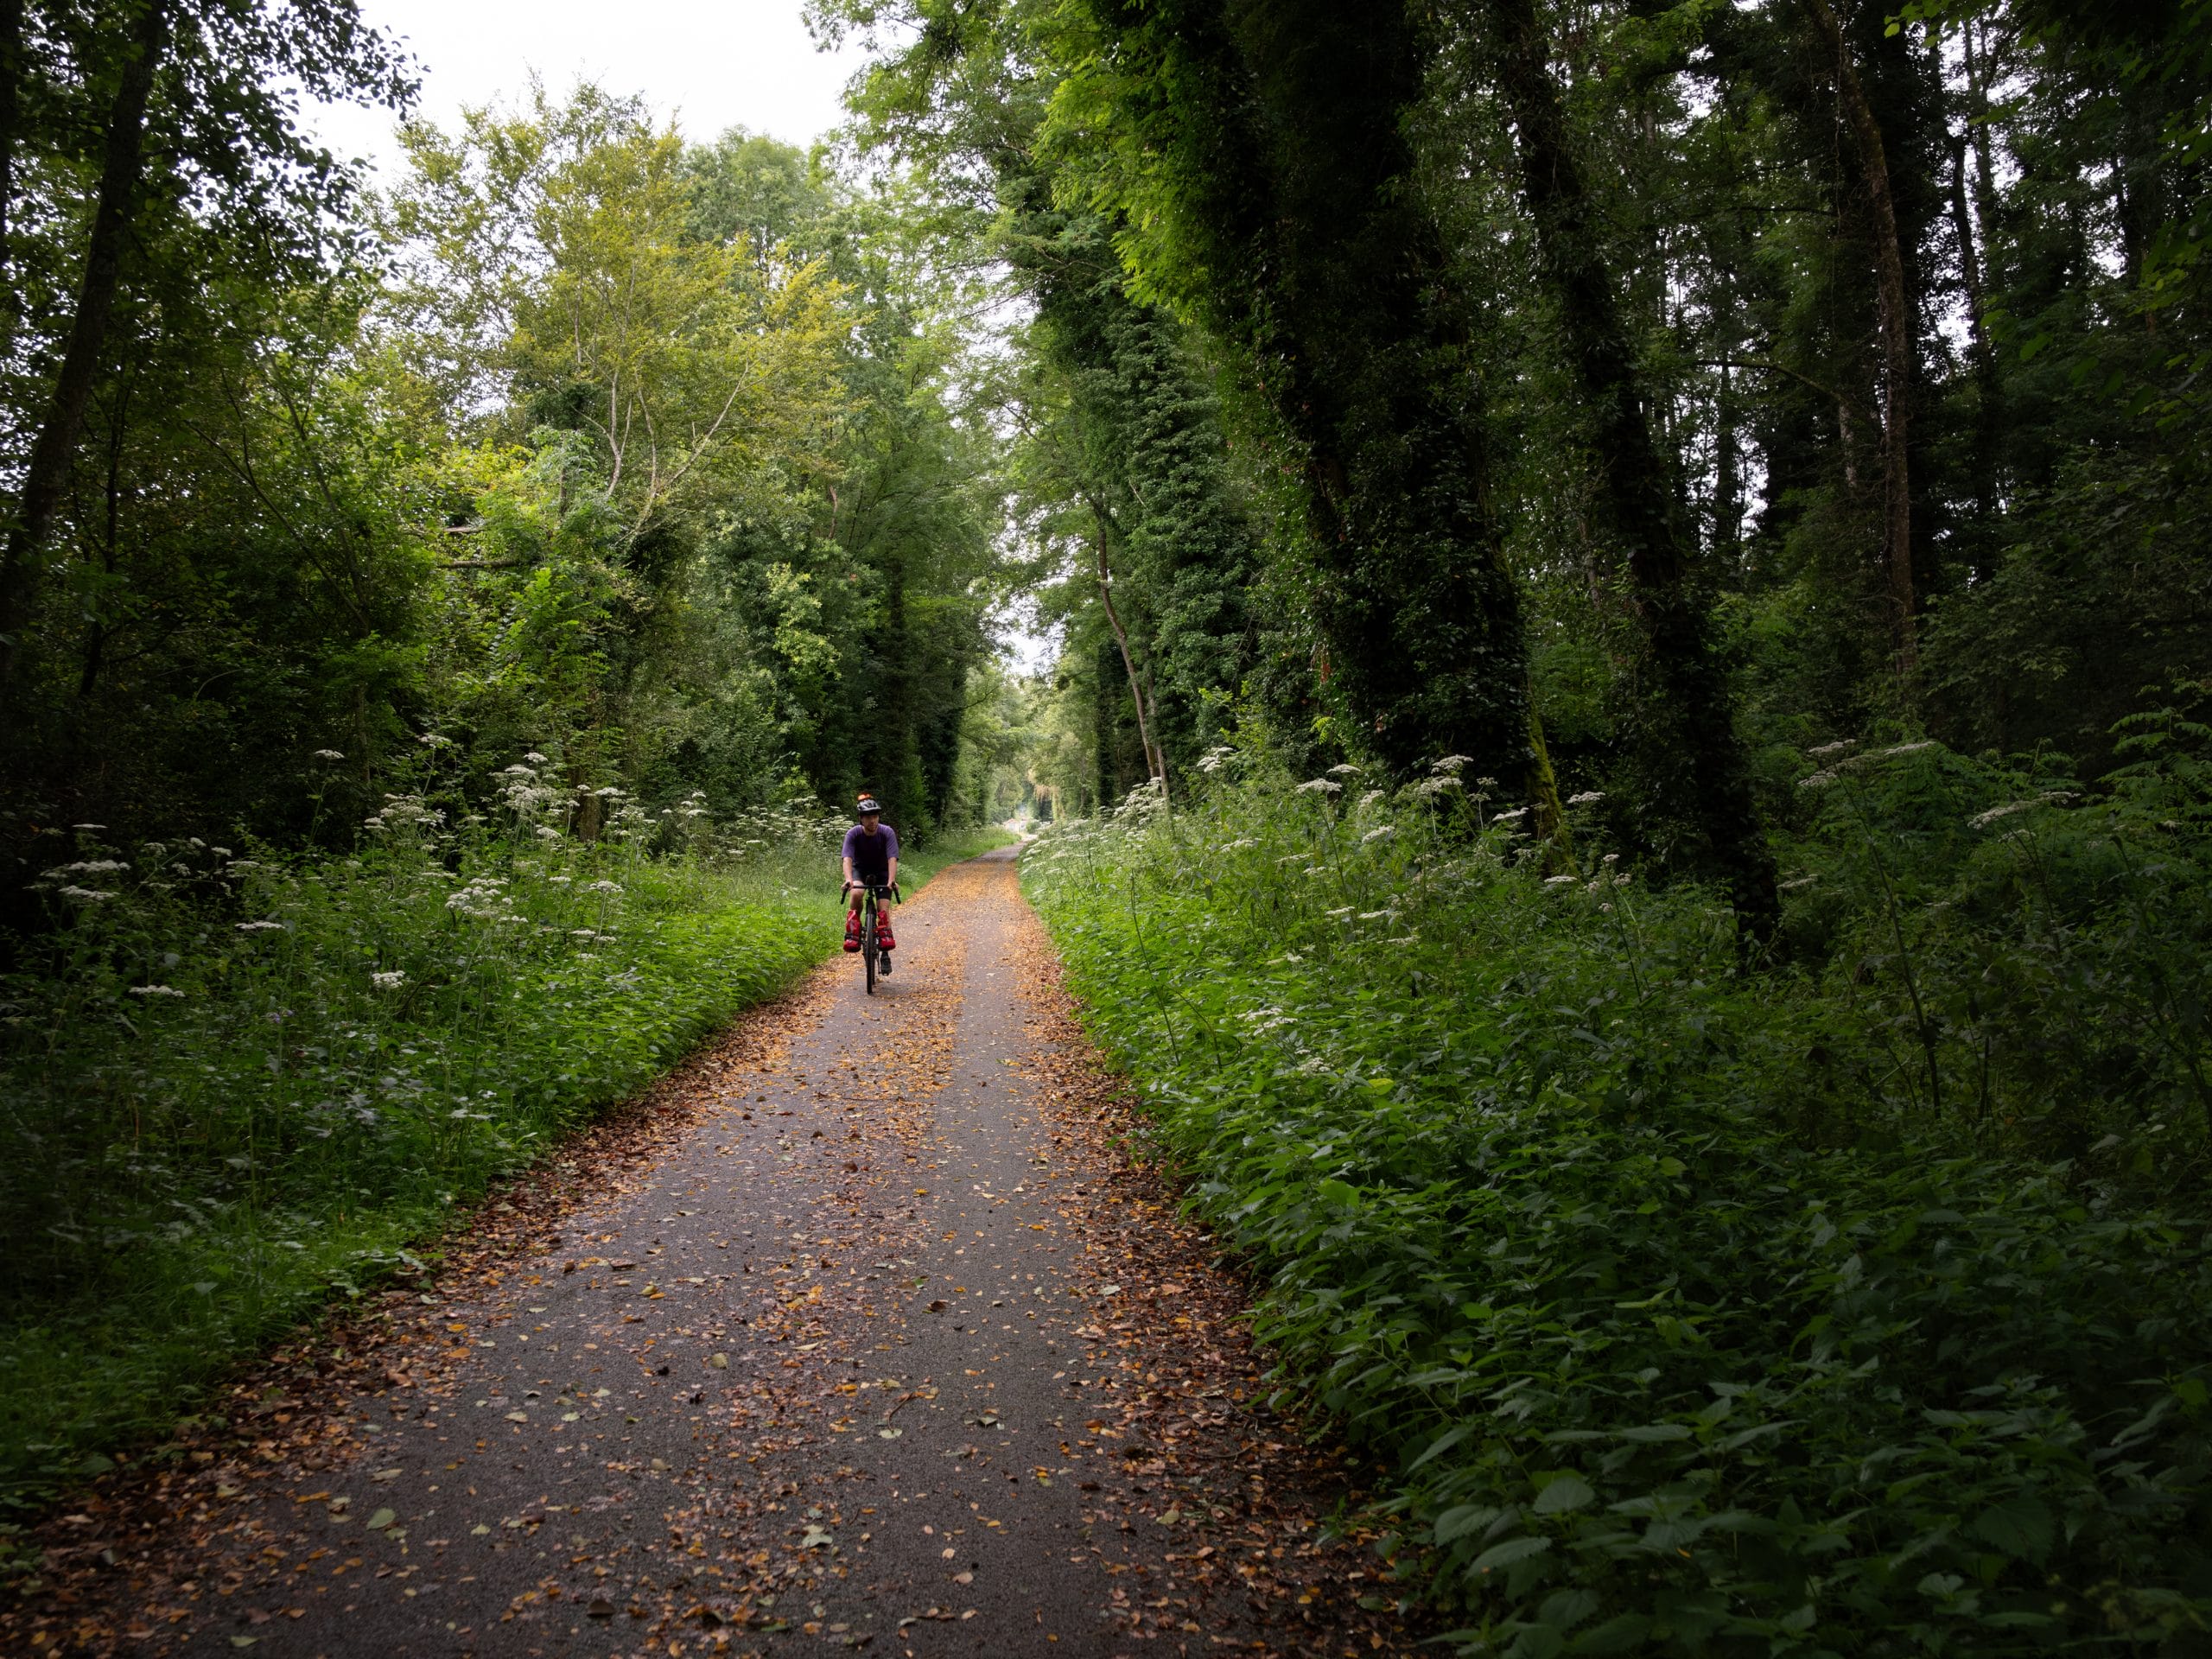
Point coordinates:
[(1687, 1318)]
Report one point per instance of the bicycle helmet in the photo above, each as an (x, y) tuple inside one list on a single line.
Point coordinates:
[(869, 804)]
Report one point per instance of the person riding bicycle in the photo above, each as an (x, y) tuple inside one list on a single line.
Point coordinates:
[(871, 860)]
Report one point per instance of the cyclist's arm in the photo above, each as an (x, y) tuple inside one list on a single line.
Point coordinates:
[(892, 880), (847, 864)]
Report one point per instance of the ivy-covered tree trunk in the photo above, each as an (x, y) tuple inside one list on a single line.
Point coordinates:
[(1279, 129), (1690, 767), (1895, 326)]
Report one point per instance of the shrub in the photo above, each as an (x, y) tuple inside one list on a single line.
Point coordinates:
[(1687, 1317)]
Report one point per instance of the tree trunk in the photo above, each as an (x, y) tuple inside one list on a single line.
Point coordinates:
[(46, 477), (1727, 476), (1985, 358), (1283, 154), (1692, 765), (1153, 762), (1895, 325)]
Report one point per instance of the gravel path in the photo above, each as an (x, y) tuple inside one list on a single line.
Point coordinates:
[(874, 1335)]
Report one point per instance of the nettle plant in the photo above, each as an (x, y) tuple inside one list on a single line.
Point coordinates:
[(1680, 1314)]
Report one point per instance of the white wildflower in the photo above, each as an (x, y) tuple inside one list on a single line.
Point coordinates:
[(2049, 798), (94, 828), (1378, 915), (1320, 786), (1588, 797), (1381, 832), (1372, 796), (1906, 748), (1558, 881), (89, 867), (1342, 910), (329, 754), (1451, 764), (1243, 843), (1818, 780), (1841, 746), (261, 927), (1294, 858), (534, 758), (85, 895), (1514, 816), (389, 980), (1345, 769), (1430, 787), (1800, 881), (432, 741), (155, 990)]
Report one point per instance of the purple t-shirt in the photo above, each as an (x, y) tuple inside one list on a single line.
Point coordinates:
[(872, 855)]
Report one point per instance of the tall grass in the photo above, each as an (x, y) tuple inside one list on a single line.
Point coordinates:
[(1701, 1311), (234, 1082)]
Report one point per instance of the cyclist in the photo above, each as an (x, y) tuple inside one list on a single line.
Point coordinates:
[(871, 860)]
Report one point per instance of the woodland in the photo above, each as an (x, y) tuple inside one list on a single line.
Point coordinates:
[(1624, 761)]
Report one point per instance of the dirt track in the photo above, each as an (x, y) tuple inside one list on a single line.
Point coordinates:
[(869, 1333)]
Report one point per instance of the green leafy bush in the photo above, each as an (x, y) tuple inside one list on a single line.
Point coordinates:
[(1686, 1319)]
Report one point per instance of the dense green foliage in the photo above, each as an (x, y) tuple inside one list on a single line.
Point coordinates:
[(1724, 303), (1694, 1313), (645, 455)]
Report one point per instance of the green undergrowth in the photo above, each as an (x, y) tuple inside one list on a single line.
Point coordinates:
[(234, 1087), (1696, 1310)]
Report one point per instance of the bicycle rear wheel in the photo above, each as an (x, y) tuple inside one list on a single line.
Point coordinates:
[(867, 945)]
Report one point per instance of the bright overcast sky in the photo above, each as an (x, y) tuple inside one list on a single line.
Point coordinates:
[(714, 64)]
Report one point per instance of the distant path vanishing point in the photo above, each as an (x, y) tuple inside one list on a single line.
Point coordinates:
[(879, 1339)]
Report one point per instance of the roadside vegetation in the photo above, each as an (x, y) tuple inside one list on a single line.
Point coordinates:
[(1852, 1305), (234, 1085)]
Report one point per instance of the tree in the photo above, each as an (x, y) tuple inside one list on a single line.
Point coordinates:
[(201, 88), (1260, 156), (1690, 762)]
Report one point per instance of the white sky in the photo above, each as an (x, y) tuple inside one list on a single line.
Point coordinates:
[(714, 64)]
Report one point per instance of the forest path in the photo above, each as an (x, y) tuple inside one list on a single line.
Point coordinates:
[(881, 1340)]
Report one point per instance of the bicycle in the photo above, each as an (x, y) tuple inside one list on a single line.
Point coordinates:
[(871, 895)]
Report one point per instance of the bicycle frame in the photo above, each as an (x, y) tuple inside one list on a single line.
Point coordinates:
[(872, 895)]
